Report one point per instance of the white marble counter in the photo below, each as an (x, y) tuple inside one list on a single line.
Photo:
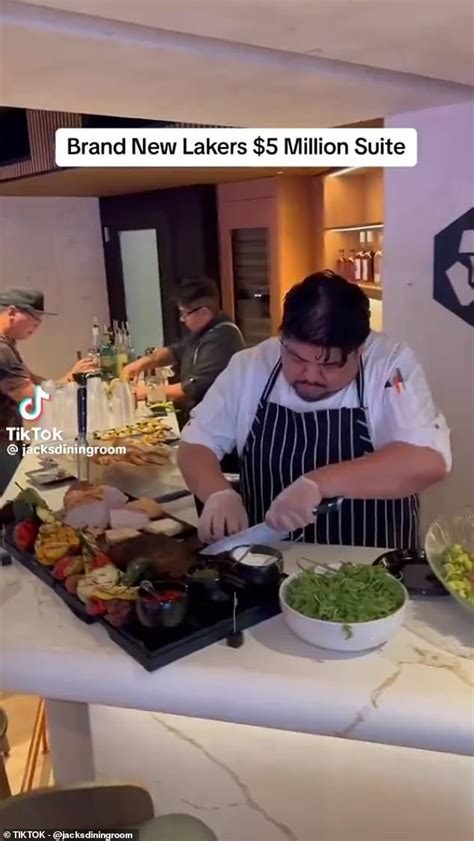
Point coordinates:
[(415, 691), (260, 784)]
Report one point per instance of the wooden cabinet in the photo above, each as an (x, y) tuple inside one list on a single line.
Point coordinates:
[(351, 220), (272, 217)]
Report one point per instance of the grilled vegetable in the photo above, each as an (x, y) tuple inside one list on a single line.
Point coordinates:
[(25, 534)]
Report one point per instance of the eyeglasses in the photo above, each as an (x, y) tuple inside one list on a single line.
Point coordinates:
[(294, 357), (184, 315)]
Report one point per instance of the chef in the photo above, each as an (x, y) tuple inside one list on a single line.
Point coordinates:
[(327, 409), (21, 313)]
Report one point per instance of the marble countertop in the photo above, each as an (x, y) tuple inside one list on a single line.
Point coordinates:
[(415, 691)]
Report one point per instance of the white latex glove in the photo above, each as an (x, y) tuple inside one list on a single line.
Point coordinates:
[(223, 514), (294, 507)]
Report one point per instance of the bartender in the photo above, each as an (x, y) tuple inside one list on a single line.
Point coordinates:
[(212, 339), (328, 409), (21, 313)]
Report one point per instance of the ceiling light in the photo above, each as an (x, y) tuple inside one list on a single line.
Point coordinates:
[(344, 171)]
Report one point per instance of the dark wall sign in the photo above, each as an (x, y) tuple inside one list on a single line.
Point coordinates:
[(453, 283)]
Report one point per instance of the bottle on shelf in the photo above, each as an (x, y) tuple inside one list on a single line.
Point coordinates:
[(341, 263), (95, 334), (107, 355), (367, 266), (351, 266), (358, 265), (122, 350), (129, 343), (378, 257)]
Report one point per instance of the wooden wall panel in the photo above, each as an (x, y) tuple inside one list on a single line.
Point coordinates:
[(295, 236), (247, 204), (42, 126)]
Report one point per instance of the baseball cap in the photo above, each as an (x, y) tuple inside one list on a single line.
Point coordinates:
[(29, 300)]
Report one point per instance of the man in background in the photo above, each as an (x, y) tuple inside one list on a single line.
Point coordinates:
[(211, 341), (21, 314)]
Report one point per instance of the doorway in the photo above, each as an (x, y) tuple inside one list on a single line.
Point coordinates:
[(152, 241), (141, 279)]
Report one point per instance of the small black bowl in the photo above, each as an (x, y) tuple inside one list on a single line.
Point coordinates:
[(207, 589), (261, 576), (156, 612), (411, 567)]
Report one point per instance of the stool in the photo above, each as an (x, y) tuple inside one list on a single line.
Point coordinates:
[(38, 740), (5, 790)]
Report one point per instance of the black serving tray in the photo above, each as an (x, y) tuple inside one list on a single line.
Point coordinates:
[(154, 649), (45, 574), (29, 561)]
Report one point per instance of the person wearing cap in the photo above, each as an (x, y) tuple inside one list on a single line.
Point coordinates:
[(326, 409), (21, 313)]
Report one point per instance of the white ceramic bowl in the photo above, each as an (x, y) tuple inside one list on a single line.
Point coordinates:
[(332, 635), (444, 533)]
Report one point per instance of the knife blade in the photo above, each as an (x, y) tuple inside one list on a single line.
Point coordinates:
[(260, 534), (263, 535)]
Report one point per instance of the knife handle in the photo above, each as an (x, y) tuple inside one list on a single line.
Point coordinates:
[(329, 506)]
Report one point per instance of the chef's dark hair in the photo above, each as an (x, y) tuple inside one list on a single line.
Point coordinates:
[(328, 311), (198, 290)]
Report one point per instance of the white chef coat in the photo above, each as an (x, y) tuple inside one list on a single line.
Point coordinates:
[(223, 420)]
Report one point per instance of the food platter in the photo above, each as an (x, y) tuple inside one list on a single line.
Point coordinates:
[(138, 585), (149, 430)]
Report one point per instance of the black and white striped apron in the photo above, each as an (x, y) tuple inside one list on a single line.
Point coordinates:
[(282, 445)]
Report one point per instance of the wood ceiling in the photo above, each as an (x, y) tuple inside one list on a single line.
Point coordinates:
[(116, 182)]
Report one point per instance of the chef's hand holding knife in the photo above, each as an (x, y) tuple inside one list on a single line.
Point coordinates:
[(294, 507), (223, 514)]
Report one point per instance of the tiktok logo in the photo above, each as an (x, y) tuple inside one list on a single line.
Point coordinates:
[(31, 408)]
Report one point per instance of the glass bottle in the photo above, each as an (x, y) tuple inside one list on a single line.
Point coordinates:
[(378, 258), (107, 355), (341, 263)]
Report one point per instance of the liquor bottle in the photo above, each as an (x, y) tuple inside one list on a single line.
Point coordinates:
[(358, 265), (378, 257), (95, 334), (367, 267), (351, 267), (108, 356), (129, 343), (122, 351), (341, 263)]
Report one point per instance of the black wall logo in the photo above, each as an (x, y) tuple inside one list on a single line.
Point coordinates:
[(453, 285)]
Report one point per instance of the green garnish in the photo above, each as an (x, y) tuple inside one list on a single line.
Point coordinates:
[(206, 574), (354, 593), (348, 632)]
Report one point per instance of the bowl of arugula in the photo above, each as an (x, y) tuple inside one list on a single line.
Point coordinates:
[(353, 608)]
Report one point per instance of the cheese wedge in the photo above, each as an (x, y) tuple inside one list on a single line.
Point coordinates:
[(119, 535), (166, 526)]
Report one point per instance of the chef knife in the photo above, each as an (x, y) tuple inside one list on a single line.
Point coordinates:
[(263, 535)]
